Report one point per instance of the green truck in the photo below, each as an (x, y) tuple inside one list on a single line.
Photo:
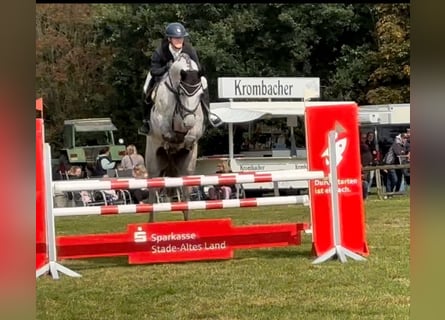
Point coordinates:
[(84, 138)]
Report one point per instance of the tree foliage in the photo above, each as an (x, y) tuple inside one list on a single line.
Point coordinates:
[(390, 80), (70, 65), (92, 59)]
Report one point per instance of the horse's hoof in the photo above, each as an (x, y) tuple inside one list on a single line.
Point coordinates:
[(169, 137)]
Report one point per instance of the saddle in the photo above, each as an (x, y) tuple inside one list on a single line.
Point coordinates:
[(148, 100)]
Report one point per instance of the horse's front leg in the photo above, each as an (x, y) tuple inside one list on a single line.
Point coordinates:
[(192, 137), (189, 141), (168, 134)]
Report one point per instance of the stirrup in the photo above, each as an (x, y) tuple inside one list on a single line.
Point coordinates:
[(214, 120), (144, 129)]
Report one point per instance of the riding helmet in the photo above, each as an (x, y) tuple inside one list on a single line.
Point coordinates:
[(176, 30)]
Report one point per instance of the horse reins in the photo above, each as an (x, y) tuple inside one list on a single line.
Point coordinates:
[(188, 89)]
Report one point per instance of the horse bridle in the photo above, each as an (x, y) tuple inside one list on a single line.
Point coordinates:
[(189, 90)]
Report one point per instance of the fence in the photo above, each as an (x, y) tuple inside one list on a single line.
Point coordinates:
[(381, 193), (335, 200)]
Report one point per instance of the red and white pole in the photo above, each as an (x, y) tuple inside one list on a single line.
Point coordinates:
[(41, 243), (181, 206), (167, 182), (46, 255)]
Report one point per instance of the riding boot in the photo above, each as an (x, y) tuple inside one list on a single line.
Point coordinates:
[(214, 120), (145, 128)]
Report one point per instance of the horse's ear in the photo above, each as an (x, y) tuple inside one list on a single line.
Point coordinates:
[(183, 74)]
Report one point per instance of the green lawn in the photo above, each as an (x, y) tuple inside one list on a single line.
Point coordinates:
[(276, 283)]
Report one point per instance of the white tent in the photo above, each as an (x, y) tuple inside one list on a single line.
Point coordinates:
[(385, 113), (240, 112), (246, 111)]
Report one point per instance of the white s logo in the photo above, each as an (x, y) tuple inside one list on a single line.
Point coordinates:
[(140, 235)]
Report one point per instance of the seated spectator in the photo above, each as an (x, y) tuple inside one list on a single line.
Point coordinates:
[(75, 172), (104, 162), (131, 158), (140, 195), (221, 192)]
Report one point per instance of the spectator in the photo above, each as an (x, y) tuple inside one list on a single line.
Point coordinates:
[(366, 156), (75, 172), (370, 141), (140, 195), (405, 160), (394, 176), (366, 160), (399, 148), (221, 192), (131, 158), (104, 162)]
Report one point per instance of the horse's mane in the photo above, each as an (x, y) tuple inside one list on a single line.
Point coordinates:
[(183, 62)]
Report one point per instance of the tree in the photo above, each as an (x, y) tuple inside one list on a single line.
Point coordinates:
[(70, 65), (390, 80), (92, 59)]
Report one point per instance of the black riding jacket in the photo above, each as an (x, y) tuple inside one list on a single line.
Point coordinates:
[(162, 56)]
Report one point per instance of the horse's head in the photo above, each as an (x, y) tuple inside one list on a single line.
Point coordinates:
[(186, 82)]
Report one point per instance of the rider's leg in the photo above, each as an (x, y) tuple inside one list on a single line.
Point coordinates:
[(208, 116), (148, 104)]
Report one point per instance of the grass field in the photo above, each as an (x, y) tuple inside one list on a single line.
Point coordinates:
[(276, 283)]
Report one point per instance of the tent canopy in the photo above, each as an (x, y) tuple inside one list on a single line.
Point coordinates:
[(239, 112)]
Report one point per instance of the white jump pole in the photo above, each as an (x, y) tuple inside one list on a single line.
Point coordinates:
[(52, 266), (181, 206), (337, 250)]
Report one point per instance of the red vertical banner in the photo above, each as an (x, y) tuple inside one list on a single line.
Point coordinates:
[(320, 120), (41, 246)]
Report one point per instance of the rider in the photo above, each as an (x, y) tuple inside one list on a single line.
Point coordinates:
[(171, 46)]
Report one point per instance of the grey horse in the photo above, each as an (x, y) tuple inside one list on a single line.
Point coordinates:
[(177, 123)]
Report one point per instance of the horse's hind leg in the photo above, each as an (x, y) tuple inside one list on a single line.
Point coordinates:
[(186, 214), (186, 198), (152, 198)]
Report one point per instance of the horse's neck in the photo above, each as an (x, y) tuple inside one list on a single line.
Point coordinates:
[(182, 63), (174, 76)]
